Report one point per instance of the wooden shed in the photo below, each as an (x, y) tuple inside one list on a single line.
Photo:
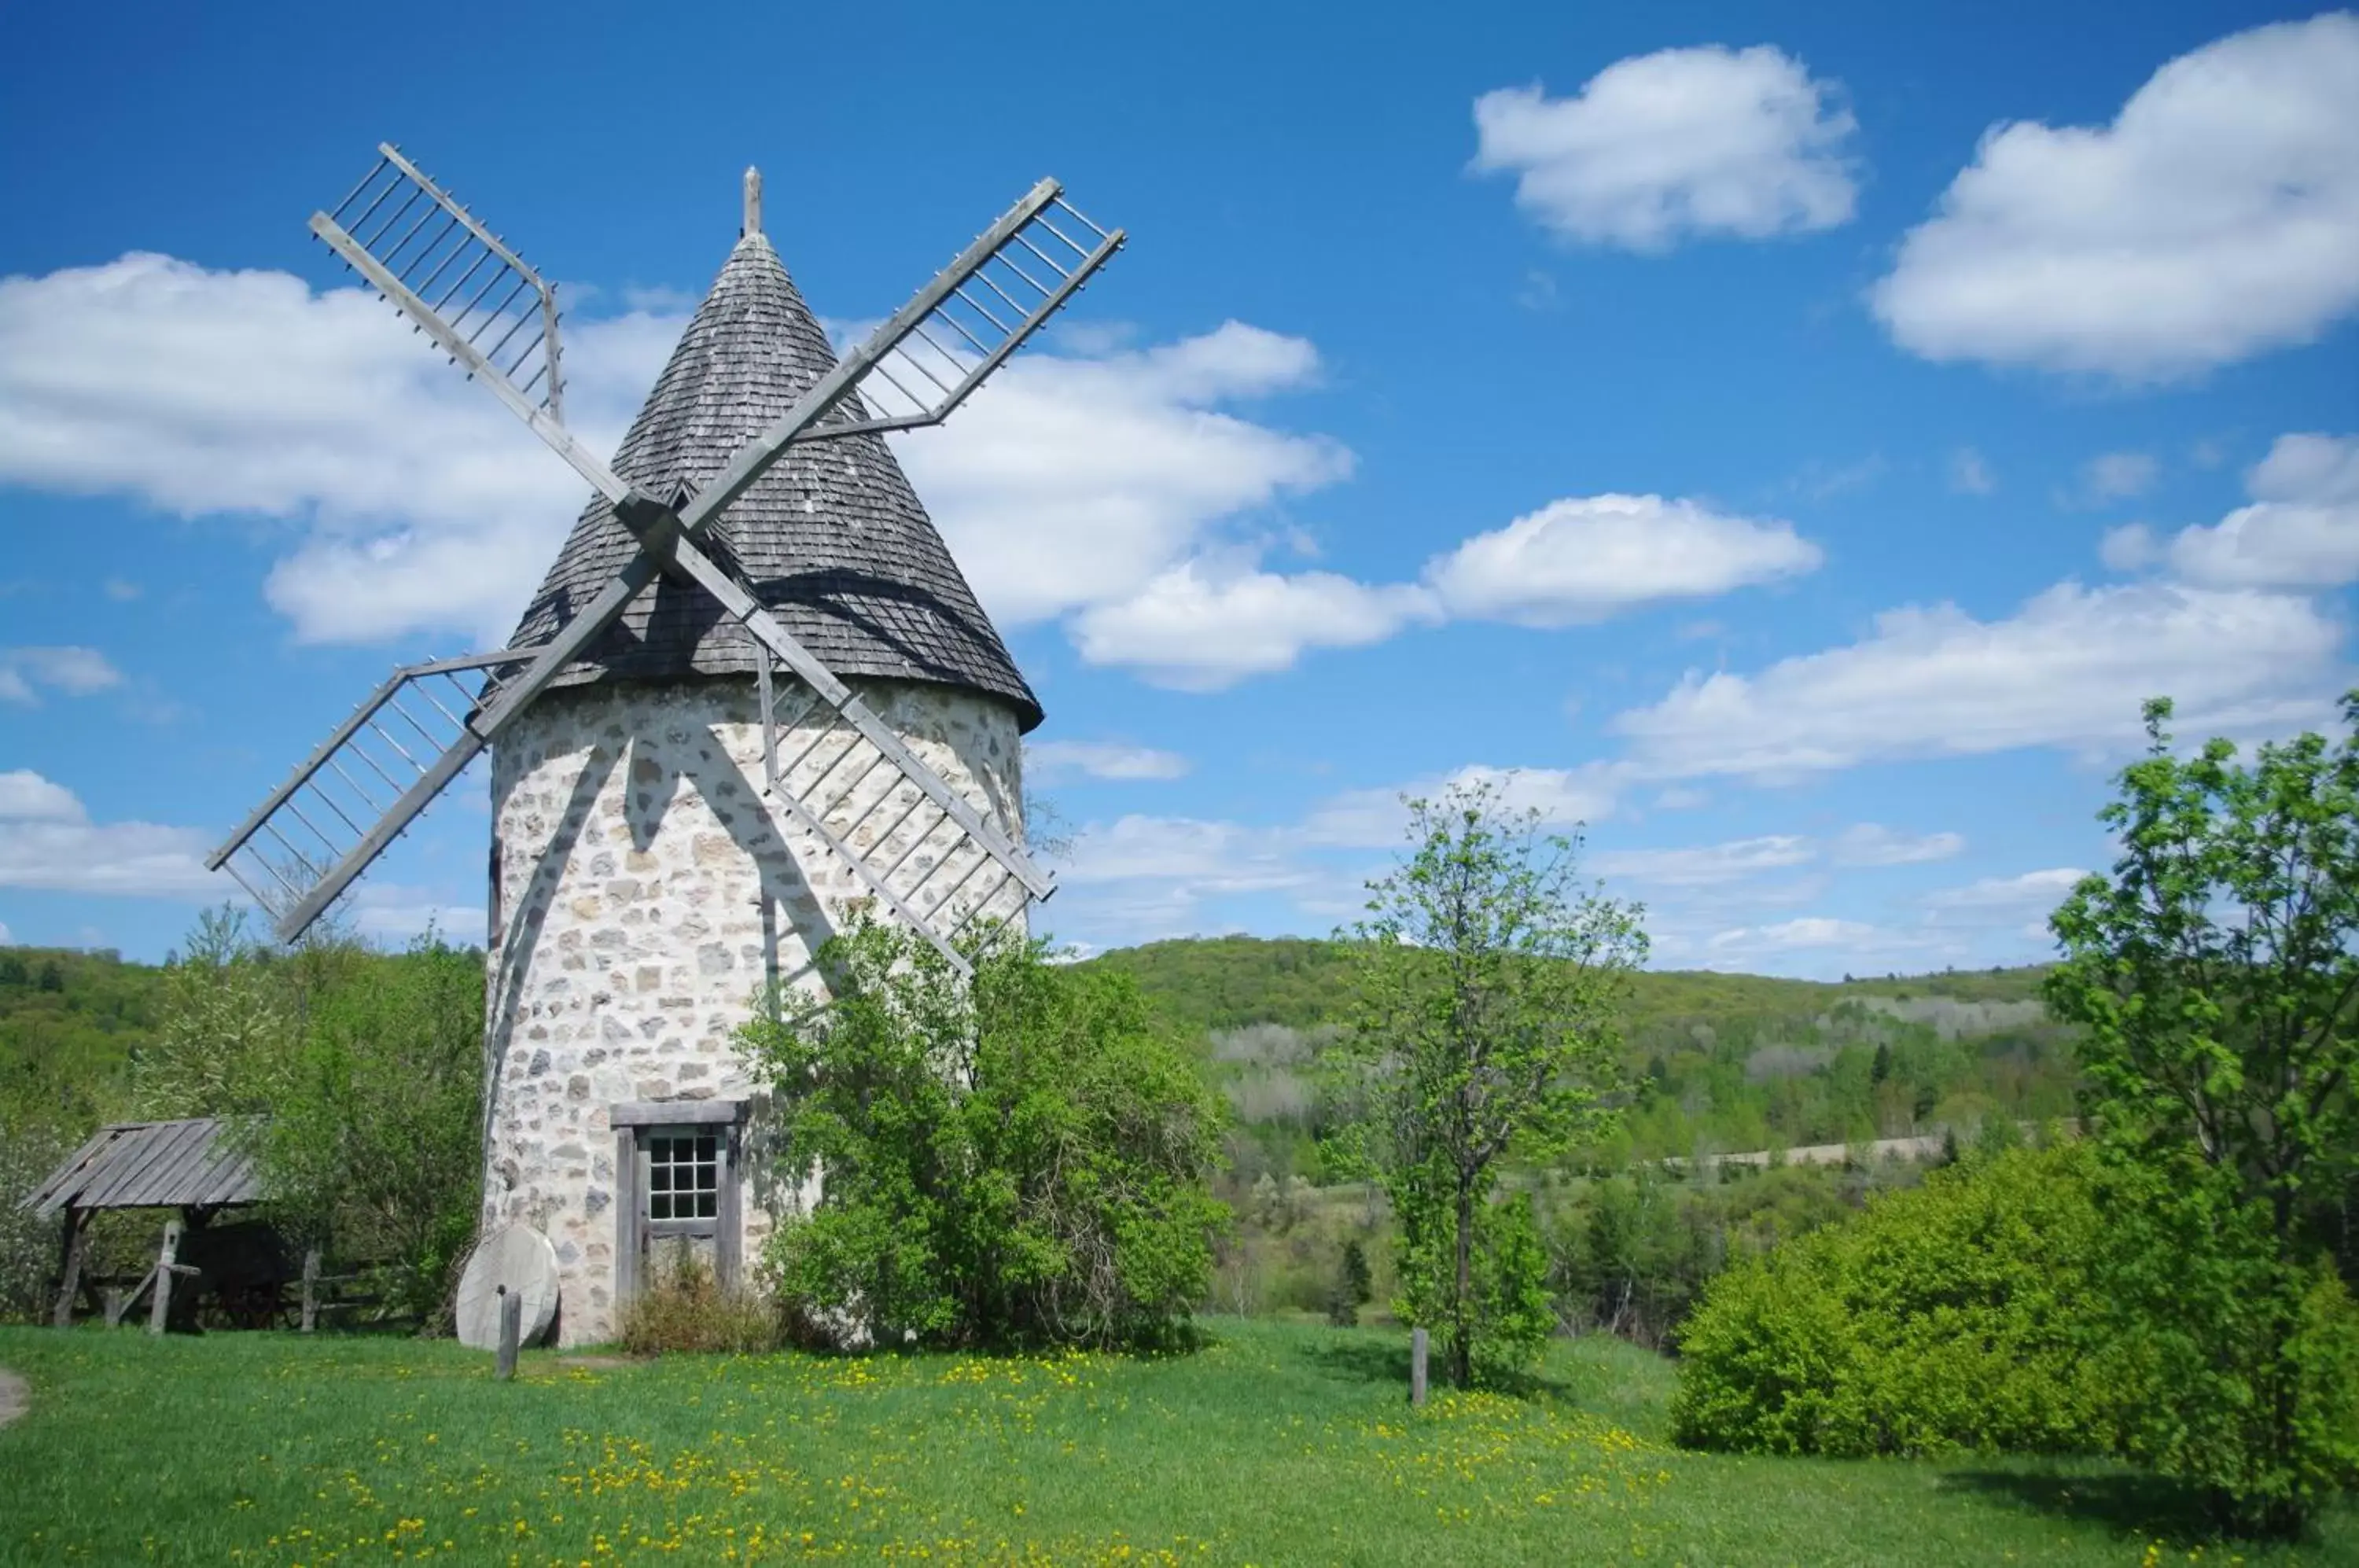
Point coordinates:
[(195, 1166)]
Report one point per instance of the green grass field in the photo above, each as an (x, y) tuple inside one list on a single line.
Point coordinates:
[(1276, 1443)]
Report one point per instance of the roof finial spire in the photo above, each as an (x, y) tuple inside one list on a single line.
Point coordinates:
[(753, 201)]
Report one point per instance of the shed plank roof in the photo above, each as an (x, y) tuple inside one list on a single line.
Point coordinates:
[(151, 1165), (832, 538)]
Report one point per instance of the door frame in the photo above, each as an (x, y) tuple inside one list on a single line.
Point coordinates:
[(639, 1120)]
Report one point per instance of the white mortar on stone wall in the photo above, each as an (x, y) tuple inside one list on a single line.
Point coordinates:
[(644, 894)]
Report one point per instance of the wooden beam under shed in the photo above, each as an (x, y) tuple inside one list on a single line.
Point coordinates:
[(69, 1254)]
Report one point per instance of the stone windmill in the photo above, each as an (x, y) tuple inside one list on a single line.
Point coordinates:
[(754, 696)]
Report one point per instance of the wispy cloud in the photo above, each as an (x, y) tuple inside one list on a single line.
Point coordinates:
[(2114, 477), (1052, 761), (1971, 472), (71, 670), (2069, 670)]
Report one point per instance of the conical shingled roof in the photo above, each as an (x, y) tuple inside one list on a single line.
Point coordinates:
[(831, 538)]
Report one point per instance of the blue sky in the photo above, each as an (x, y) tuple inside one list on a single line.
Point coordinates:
[(1793, 440)]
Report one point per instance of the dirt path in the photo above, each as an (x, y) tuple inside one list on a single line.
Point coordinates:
[(13, 1398)]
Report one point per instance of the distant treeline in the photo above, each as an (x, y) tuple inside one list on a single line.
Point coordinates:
[(1716, 1063)]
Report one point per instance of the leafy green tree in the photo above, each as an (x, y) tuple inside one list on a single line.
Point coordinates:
[(231, 1021), (1017, 1159), (360, 1073), (1490, 983), (2215, 977), (374, 1138)]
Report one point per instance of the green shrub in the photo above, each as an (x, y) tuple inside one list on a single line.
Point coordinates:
[(2253, 1357), (1961, 1315), (1021, 1158), (684, 1308)]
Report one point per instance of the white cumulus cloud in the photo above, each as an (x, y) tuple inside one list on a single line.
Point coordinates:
[(1070, 481), (48, 842), (1218, 618), (1200, 626), (2216, 217), (27, 797), (1141, 877), (2069, 670), (2301, 530), (1682, 142), (413, 500), (1585, 558)]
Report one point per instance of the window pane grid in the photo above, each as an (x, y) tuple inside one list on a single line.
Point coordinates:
[(683, 1176)]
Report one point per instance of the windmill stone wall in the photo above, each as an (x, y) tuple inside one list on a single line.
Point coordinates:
[(644, 891), (645, 895)]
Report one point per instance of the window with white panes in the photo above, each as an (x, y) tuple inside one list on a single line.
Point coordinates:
[(684, 1175)]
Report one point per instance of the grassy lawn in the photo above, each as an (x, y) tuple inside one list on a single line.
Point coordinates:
[(1276, 1444)]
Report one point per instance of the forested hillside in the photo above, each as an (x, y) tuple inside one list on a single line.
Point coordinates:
[(1719, 1063), (69, 1024), (1713, 1063)]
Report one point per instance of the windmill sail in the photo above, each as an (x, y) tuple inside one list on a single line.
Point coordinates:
[(963, 334), (910, 848), (364, 783), (936, 862)]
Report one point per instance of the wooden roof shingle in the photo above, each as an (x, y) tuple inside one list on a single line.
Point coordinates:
[(151, 1165), (831, 538)]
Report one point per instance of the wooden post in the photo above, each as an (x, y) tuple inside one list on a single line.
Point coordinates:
[(1416, 1346), (70, 1249), (162, 1303), (628, 1216), (511, 1331), (729, 1238), (310, 1288)]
